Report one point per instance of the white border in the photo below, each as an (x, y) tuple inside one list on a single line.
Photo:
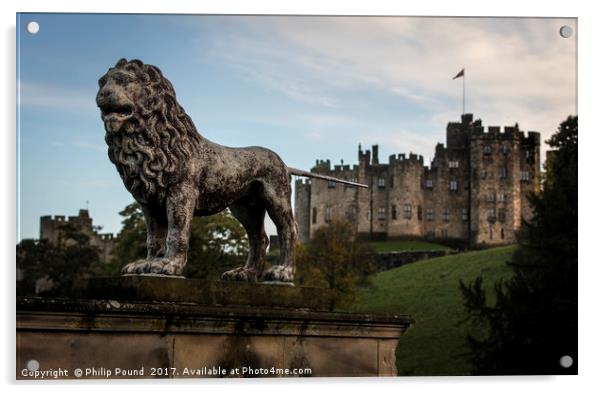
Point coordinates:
[(589, 80)]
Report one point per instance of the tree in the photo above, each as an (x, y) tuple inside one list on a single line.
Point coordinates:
[(334, 259), (534, 320), (60, 267), (217, 243)]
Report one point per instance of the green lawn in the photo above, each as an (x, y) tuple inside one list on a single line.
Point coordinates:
[(429, 292), (404, 245)]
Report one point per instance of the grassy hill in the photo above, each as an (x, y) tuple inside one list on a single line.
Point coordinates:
[(429, 292)]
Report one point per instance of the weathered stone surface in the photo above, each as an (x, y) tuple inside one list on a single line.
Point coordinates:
[(333, 358), (95, 354), (386, 358), (168, 338), (204, 292), (229, 352)]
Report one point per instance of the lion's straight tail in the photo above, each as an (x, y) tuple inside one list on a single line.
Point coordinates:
[(299, 172)]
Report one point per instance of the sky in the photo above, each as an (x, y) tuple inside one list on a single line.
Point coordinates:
[(306, 87)]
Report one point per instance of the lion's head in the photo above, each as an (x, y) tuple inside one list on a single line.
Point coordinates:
[(149, 134)]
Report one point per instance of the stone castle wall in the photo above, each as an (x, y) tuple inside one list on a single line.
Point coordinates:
[(52, 230), (474, 190)]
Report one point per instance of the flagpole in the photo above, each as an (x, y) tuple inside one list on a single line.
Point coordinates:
[(464, 92)]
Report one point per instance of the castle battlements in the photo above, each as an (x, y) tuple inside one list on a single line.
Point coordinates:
[(454, 197), (52, 230), (401, 159), (530, 138)]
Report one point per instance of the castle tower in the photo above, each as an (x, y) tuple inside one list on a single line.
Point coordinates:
[(475, 189)]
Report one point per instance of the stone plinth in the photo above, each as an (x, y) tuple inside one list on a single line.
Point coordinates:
[(224, 293), (147, 338)]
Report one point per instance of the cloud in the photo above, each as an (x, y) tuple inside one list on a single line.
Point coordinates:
[(97, 183), (54, 97), (84, 144), (517, 69)]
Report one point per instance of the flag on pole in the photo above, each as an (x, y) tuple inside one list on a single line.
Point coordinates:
[(460, 74)]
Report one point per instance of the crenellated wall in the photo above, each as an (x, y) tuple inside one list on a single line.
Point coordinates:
[(475, 188)]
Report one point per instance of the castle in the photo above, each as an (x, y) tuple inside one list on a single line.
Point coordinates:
[(475, 190), (51, 229)]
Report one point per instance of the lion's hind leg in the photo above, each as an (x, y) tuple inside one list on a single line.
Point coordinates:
[(278, 205), (251, 214)]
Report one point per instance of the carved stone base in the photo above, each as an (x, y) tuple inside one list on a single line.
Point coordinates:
[(117, 338), (175, 289)]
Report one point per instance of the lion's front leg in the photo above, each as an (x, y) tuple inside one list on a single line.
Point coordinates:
[(156, 232), (180, 206)]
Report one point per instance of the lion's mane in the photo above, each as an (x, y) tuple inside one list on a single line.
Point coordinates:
[(152, 148)]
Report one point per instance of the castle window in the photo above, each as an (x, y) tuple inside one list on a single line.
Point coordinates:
[(419, 213), (483, 174), (505, 149), (430, 214), (381, 182), (382, 213), (491, 214), (391, 182), (454, 164), (528, 153), (393, 212), (464, 214), (524, 175), (328, 215), (502, 197), (502, 233), (352, 213), (487, 150), (491, 196), (453, 185), (354, 179), (331, 184), (407, 211), (502, 215), (446, 215), (429, 183), (314, 215), (504, 172)]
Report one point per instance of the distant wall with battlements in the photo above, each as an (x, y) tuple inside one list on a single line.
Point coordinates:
[(52, 230)]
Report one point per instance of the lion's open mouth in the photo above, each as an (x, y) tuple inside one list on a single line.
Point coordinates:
[(115, 110)]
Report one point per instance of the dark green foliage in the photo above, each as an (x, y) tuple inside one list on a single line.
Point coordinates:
[(334, 259), (217, 243), (534, 320), (58, 268), (131, 240)]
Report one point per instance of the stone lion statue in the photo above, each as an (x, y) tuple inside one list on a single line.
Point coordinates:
[(174, 174)]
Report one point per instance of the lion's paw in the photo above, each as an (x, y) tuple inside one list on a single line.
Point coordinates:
[(240, 274), (279, 273), (165, 266)]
